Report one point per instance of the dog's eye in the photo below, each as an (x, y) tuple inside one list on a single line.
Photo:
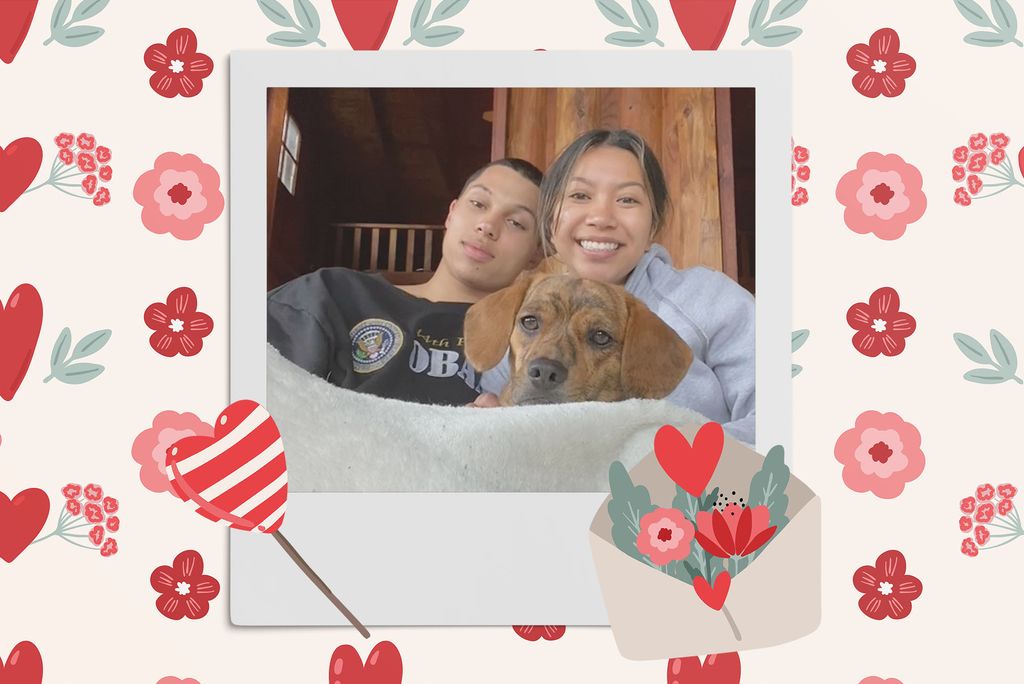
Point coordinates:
[(600, 338), (529, 323)]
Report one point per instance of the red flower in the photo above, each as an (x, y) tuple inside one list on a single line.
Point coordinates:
[(888, 589), (89, 184), (961, 197), (881, 68), (179, 327), (977, 162), (881, 327), (110, 505), (958, 173), (1005, 506), (180, 70), (86, 141), (1007, 491), (103, 154), (737, 534), (109, 547), (96, 535), (102, 197), (968, 548), (960, 154), (973, 184), (93, 492), (64, 140), (986, 492), (113, 523), (86, 162), (66, 156), (535, 632), (73, 506), (985, 513), (799, 197), (999, 140), (106, 173), (966, 523), (184, 590), (800, 154), (93, 513), (71, 491), (981, 534), (998, 156), (978, 141)]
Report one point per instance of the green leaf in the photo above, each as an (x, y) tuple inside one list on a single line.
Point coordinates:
[(275, 12), (289, 39), (785, 9), (626, 39), (79, 373), (60, 349), (774, 36), (796, 370), (88, 9), (985, 376), (646, 17), (985, 39), (687, 503), (615, 13), (307, 16), (768, 486), (1005, 17), (439, 36), (627, 505), (448, 9), (757, 13), (90, 344), (419, 15), (60, 15), (1006, 356), (972, 349), (78, 36), (799, 337), (972, 12)]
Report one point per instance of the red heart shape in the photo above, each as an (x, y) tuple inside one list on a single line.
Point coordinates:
[(365, 23), (384, 666), (703, 22), (15, 18), (713, 597), (19, 164), (718, 668), (690, 467), (20, 322), (239, 475), (535, 632), (21, 518), (24, 665)]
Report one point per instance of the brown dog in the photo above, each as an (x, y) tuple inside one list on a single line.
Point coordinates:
[(572, 340)]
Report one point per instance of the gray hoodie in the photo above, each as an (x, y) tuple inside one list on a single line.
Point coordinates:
[(715, 316)]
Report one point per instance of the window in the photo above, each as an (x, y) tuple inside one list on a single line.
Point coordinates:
[(288, 168)]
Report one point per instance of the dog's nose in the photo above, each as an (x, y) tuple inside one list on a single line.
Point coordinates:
[(546, 374)]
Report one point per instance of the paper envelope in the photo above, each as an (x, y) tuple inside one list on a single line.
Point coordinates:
[(776, 599)]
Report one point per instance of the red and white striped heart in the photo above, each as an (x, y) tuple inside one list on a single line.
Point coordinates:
[(239, 475)]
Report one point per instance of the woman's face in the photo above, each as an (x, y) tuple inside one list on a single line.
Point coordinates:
[(604, 225)]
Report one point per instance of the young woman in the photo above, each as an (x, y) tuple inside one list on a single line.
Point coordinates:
[(602, 203)]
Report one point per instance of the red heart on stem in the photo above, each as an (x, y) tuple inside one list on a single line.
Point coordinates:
[(703, 22), (365, 23), (24, 665), (714, 597), (239, 475), (21, 518), (19, 164), (384, 666), (20, 322), (718, 668), (690, 467)]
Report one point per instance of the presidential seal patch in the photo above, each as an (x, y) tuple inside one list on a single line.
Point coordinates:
[(374, 343)]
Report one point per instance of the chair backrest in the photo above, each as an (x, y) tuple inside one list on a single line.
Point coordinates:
[(405, 254)]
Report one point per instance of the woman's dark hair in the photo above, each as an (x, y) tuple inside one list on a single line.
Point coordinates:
[(520, 166), (552, 189)]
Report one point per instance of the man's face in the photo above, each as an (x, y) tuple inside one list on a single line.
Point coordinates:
[(491, 230)]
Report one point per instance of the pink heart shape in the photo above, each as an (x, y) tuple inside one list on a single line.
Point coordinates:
[(19, 164), (383, 666), (690, 467)]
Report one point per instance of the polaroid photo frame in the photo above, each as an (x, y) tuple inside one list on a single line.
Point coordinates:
[(529, 561)]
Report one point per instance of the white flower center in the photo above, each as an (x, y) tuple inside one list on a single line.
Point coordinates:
[(177, 325), (594, 246), (885, 588), (177, 66), (879, 66), (183, 588), (878, 325)]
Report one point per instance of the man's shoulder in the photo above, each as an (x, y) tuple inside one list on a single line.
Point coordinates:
[(330, 283)]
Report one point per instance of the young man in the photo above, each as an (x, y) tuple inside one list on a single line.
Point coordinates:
[(359, 332)]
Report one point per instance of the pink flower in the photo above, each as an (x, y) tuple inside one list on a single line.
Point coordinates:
[(880, 454), (175, 680), (150, 447), (180, 195), (871, 680), (882, 195), (665, 535)]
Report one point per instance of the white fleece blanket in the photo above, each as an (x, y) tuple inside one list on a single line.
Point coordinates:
[(337, 440)]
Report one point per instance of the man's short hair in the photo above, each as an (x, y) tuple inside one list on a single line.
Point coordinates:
[(520, 166)]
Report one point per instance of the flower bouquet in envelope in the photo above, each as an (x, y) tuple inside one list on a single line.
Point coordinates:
[(706, 547)]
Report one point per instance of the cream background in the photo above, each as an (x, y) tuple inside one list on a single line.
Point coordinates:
[(956, 271)]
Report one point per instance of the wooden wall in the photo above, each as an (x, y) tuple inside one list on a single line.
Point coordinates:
[(679, 124)]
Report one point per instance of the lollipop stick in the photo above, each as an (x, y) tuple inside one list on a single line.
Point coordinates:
[(304, 566)]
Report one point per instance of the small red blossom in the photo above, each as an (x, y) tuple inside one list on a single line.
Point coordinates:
[(881, 68), (93, 492), (961, 197), (179, 68), (73, 506), (985, 513), (86, 141), (106, 173), (103, 154), (109, 547), (86, 162), (998, 156), (66, 157), (96, 535), (968, 548), (799, 197), (102, 197), (1007, 491), (958, 173), (999, 140), (800, 154), (888, 589), (71, 491), (1004, 507), (977, 162), (113, 523), (110, 505), (986, 492), (89, 184), (803, 173), (881, 327), (179, 327), (973, 184), (184, 590), (967, 505), (978, 141), (960, 154), (64, 140), (93, 513), (981, 534), (535, 632), (966, 523)]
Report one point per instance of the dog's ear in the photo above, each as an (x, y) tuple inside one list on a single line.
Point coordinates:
[(489, 323), (654, 358)]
